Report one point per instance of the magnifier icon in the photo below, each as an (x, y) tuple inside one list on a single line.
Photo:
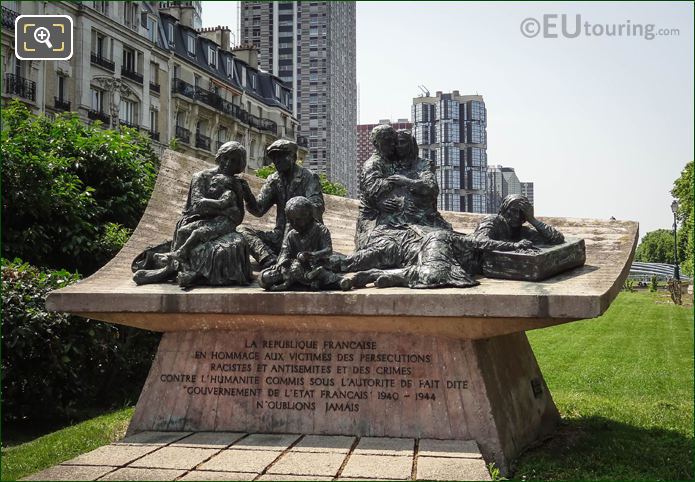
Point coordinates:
[(43, 36)]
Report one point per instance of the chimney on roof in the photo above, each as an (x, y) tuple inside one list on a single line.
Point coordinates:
[(183, 11), (247, 53), (222, 36)]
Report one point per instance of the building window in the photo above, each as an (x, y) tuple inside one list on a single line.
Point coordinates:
[(152, 29), (128, 111), (130, 14), (222, 135), (253, 81), (212, 56), (190, 44), (230, 67), (100, 45), (61, 88), (101, 7), (154, 120), (129, 59), (154, 73), (97, 99), (170, 34), (177, 71), (243, 75)]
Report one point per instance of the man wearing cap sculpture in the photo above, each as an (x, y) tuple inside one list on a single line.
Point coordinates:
[(289, 181)]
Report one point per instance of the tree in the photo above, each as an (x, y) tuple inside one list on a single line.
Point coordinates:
[(656, 247), (71, 192), (683, 192)]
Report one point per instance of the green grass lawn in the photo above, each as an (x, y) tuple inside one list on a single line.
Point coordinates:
[(623, 383), (65, 444), (624, 386)]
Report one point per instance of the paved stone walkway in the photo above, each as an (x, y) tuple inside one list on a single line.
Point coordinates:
[(241, 456)]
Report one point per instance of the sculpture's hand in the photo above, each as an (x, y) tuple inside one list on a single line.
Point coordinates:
[(527, 209), (391, 205), (399, 180), (245, 189), (524, 244), (305, 257)]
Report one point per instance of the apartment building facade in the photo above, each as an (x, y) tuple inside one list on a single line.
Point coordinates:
[(311, 46), (451, 129), (138, 65)]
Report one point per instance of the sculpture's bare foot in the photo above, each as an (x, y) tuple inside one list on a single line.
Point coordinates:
[(346, 284), (186, 279), (313, 273), (362, 279), (385, 281), (149, 276)]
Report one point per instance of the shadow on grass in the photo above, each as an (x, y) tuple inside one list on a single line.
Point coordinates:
[(598, 448), (20, 431)]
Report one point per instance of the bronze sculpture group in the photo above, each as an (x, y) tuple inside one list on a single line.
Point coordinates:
[(401, 238)]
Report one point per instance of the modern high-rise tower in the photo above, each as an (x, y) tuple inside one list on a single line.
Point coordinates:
[(311, 46), (451, 129), (501, 182)]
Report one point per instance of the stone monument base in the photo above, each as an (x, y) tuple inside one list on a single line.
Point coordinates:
[(350, 383)]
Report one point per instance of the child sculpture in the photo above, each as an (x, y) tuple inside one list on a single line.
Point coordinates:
[(305, 249)]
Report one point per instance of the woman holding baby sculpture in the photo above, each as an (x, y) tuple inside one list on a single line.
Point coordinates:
[(206, 249)]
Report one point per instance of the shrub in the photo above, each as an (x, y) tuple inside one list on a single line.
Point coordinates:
[(653, 284), (65, 183), (53, 364)]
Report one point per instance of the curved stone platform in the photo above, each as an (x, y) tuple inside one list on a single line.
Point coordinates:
[(434, 364), (494, 307)]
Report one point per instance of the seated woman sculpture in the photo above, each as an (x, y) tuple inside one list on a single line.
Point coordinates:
[(448, 258), (305, 249), (398, 205), (205, 249)]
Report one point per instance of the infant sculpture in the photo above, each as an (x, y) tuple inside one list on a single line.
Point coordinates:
[(401, 238)]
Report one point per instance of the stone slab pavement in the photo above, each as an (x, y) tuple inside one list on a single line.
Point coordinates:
[(241, 456)]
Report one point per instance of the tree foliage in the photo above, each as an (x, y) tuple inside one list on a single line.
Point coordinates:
[(656, 247), (70, 190), (683, 191), (54, 364)]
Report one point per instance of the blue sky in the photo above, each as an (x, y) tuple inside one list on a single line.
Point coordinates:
[(602, 124)]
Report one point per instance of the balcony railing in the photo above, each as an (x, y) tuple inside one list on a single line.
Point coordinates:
[(235, 111), (214, 100), (19, 86), (302, 141), (154, 87), (103, 62), (269, 125), (61, 104), (132, 125), (183, 134), (154, 136), (131, 74), (184, 88), (100, 116), (8, 18), (201, 141)]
